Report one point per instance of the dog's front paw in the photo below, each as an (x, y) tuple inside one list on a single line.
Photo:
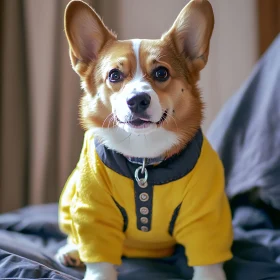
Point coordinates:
[(208, 278), (209, 272), (100, 271), (68, 255)]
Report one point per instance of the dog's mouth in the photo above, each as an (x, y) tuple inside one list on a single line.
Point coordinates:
[(143, 123)]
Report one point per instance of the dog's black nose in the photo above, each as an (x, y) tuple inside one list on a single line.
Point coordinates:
[(138, 102)]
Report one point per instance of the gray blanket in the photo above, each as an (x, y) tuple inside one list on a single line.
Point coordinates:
[(246, 133)]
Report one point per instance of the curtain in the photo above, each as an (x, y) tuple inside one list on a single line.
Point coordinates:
[(40, 136), (14, 106), (269, 22)]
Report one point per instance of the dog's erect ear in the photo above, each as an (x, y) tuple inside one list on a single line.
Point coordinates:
[(85, 32), (192, 31)]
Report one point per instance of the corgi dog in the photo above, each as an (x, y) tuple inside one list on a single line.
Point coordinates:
[(147, 178)]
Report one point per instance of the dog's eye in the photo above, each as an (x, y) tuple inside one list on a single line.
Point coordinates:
[(115, 76), (161, 74)]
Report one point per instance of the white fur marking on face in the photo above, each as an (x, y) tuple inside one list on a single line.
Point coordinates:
[(136, 48), (151, 141), (137, 84), (150, 145)]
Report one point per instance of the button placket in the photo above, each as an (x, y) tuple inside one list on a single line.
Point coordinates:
[(143, 201), (144, 222)]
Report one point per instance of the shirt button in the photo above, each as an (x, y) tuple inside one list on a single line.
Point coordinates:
[(144, 210), (142, 183), (144, 196), (144, 220), (145, 229)]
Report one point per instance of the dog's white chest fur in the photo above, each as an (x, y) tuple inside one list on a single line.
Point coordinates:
[(150, 146)]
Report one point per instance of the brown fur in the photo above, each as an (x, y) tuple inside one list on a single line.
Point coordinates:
[(94, 51)]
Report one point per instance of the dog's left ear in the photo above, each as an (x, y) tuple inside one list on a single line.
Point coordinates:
[(86, 34), (192, 31)]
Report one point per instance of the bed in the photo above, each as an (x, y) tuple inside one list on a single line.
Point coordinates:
[(246, 134)]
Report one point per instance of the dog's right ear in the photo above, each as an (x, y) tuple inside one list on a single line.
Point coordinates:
[(86, 34), (192, 31)]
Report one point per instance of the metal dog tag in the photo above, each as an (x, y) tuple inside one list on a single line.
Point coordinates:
[(142, 182)]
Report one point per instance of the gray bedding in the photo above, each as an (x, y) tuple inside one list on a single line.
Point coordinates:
[(246, 133)]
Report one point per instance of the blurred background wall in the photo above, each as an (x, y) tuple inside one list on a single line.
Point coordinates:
[(39, 92)]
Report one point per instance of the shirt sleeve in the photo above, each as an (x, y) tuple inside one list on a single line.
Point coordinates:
[(204, 224), (64, 215), (68, 192), (97, 223)]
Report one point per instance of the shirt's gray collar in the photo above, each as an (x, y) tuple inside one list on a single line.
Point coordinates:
[(149, 161), (167, 171)]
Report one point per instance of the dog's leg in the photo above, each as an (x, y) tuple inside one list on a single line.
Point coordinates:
[(68, 255), (209, 272), (100, 271)]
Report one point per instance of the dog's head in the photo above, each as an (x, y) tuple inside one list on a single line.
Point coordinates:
[(140, 96)]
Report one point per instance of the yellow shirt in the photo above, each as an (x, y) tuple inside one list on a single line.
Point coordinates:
[(103, 210)]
